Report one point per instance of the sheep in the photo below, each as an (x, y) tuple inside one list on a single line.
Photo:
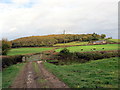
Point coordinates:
[(81, 49)]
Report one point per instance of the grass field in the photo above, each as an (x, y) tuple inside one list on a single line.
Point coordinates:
[(9, 74), (114, 40), (106, 47), (19, 51), (72, 43), (94, 74)]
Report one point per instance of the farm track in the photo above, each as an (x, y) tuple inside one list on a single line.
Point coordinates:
[(29, 78), (55, 82)]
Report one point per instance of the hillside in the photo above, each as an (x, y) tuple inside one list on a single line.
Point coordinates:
[(50, 40)]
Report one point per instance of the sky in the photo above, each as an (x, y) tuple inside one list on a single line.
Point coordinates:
[(21, 18)]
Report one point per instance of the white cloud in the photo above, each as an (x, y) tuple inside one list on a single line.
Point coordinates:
[(13, 29), (53, 16), (20, 1)]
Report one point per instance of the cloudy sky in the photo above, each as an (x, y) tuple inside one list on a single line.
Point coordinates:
[(20, 18)]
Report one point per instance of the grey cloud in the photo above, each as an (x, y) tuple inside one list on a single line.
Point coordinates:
[(52, 17)]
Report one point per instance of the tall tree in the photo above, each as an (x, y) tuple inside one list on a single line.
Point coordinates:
[(6, 45), (103, 36)]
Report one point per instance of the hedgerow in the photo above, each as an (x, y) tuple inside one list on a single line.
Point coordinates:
[(10, 60), (84, 57)]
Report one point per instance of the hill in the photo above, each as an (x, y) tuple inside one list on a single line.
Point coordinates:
[(50, 40)]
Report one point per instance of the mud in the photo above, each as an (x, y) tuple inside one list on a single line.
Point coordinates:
[(29, 78)]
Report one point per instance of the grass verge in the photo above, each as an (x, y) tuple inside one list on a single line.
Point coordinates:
[(101, 73), (9, 74)]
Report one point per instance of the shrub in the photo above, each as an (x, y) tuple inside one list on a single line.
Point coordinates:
[(10, 60), (5, 46), (66, 56), (65, 51)]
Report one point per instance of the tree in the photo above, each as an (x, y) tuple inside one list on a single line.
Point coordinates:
[(109, 37), (103, 36), (6, 45), (95, 36)]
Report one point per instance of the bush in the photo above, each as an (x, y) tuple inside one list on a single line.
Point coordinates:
[(65, 51), (10, 60), (88, 56), (5, 46), (65, 56)]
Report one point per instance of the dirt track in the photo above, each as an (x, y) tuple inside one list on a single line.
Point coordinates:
[(30, 78)]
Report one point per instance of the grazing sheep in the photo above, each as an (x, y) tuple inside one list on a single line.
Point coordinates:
[(81, 49)]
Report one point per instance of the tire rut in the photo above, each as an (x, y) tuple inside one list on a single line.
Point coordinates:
[(26, 78), (30, 77), (53, 81)]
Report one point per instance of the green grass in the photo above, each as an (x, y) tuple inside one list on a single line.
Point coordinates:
[(0, 80), (19, 51), (100, 73), (106, 47), (36, 68), (9, 74), (72, 43), (114, 40), (40, 78)]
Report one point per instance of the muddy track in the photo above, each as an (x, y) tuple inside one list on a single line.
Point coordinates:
[(30, 78), (26, 78), (52, 80)]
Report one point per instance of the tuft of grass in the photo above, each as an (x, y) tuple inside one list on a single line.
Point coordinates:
[(36, 68), (106, 47), (37, 71), (19, 51), (9, 74), (40, 78), (101, 73)]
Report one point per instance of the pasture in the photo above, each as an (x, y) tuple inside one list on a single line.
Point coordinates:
[(71, 43), (105, 47), (19, 51), (114, 40), (101, 73)]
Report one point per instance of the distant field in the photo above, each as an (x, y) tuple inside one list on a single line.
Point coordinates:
[(114, 40), (101, 73), (9, 74), (18, 51), (72, 43), (105, 47)]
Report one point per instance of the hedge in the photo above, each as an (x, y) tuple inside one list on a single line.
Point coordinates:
[(84, 57), (10, 60), (95, 55)]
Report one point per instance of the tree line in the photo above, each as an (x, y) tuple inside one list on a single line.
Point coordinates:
[(50, 40)]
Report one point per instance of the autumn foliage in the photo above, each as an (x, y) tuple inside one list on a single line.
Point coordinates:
[(6, 45)]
